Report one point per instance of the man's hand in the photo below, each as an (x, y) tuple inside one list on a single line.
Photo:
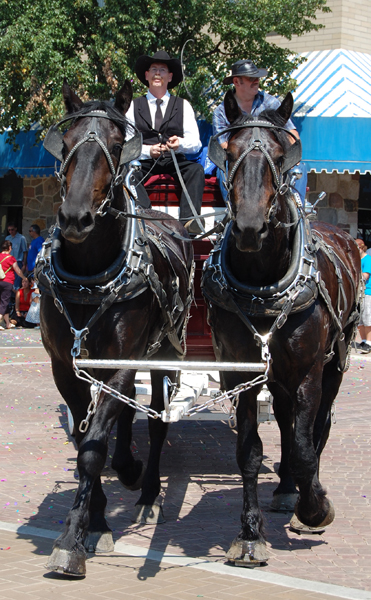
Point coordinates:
[(156, 150), (173, 143)]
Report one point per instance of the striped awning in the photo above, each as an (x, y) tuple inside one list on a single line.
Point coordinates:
[(332, 110)]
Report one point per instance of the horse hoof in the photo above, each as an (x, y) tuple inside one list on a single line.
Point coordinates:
[(67, 562), (150, 515), (138, 484), (330, 515), (298, 527), (243, 553), (99, 542), (284, 502)]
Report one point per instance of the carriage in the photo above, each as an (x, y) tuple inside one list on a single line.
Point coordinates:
[(118, 286)]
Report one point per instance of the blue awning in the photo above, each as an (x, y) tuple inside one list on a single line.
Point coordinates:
[(332, 110), (30, 159)]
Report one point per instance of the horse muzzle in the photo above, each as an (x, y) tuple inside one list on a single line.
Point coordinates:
[(75, 228), (249, 239)]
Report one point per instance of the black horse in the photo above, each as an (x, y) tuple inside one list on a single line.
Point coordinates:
[(114, 288), (286, 293)]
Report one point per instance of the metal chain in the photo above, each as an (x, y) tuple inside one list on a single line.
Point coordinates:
[(232, 395)]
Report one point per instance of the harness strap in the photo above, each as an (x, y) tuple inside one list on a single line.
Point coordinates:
[(160, 295)]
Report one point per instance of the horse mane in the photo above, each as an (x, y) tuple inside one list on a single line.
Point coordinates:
[(108, 107)]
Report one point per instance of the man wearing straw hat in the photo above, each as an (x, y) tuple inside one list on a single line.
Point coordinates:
[(167, 124)]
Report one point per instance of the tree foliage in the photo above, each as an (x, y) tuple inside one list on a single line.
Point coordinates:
[(95, 48)]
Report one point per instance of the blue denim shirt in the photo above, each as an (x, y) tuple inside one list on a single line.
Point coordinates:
[(262, 101)]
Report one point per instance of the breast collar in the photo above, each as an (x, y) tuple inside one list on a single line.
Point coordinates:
[(125, 278), (295, 292)]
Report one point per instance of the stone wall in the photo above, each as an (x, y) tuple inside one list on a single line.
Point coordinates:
[(340, 207), (41, 201)]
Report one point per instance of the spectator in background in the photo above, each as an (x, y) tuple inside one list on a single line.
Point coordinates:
[(35, 246), (364, 327), (22, 301), (10, 268), (32, 318), (19, 251)]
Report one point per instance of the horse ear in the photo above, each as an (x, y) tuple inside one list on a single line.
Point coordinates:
[(71, 101), (124, 97), (286, 107), (232, 110)]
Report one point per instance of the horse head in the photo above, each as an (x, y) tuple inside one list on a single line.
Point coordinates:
[(256, 161), (91, 160)]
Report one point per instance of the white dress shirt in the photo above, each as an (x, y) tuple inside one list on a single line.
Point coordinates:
[(189, 143)]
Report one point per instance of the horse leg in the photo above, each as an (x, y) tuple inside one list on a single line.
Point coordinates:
[(129, 471), (148, 510), (249, 547), (286, 494), (331, 382), (68, 553), (313, 508)]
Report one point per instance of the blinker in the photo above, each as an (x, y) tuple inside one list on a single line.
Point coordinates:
[(53, 141), (218, 155)]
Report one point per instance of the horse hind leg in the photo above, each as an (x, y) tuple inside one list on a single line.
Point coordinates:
[(129, 471), (286, 494), (148, 508), (314, 510), (331, 382), (99, 535)]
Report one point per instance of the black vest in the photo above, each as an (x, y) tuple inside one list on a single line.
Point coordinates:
[(171, 125)]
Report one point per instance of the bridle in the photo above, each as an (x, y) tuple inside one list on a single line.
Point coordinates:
[(130, 150), (281, 185), (280, 176)]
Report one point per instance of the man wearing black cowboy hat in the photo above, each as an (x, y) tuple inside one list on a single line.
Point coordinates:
[(167, 123), (245, 77)]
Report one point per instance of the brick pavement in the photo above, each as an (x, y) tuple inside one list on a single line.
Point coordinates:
[(201, 493)]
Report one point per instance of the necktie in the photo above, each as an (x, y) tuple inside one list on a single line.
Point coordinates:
[(158, 115)]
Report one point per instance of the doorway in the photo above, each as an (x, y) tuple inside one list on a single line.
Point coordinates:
[(11, 202)]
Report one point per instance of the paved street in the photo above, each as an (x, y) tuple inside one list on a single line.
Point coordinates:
[(185, 557)]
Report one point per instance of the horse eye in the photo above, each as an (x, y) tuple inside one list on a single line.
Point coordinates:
[(116, 150)]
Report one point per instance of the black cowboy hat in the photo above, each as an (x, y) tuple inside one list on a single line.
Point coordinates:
[(244, 68), (174, 65)]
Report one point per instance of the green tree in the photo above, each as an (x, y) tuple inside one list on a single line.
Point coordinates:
[(95, 48)]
